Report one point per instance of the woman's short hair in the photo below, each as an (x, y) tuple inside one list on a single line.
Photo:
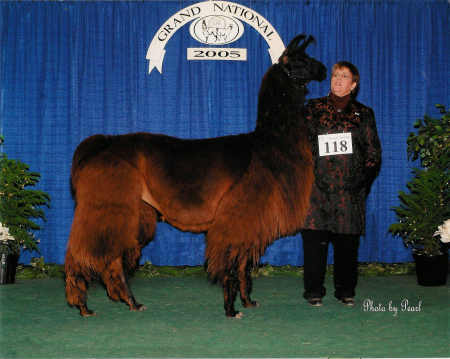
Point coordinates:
[(354, 71)]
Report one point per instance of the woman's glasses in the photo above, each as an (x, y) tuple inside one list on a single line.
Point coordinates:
[(344, 76)]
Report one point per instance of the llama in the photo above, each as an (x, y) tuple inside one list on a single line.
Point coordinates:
[(244, 191)]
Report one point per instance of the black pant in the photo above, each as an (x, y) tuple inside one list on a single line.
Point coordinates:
[(315, 247)]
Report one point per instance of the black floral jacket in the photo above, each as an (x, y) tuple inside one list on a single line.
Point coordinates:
[(343, 176)]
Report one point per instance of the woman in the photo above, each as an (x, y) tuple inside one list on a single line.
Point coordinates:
[(347, 154)]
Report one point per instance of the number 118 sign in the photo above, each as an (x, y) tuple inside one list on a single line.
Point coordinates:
[(335, 144)]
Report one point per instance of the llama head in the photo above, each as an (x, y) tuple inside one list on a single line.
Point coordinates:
[(300, 67)]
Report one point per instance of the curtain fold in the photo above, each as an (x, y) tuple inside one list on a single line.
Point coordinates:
[(73, 69)]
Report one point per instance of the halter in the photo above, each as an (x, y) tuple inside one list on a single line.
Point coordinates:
[(301, 85)]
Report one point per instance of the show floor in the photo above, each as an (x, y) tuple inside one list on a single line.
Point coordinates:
[(185, 318)]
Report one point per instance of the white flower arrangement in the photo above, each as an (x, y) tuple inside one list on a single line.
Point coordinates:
[(4, 234), (444, 232)]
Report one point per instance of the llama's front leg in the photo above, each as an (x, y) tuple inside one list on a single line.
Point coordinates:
[(245, 285), (230, 289)]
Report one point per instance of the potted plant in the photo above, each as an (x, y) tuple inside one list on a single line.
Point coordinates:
[(18, 208), (423, 216)]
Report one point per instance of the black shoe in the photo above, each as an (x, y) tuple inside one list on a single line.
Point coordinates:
[(315, 302), (348, 301)]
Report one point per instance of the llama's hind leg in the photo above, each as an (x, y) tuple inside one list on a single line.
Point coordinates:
[(76, 293), (118, 287), (134, 306), (245, 285)]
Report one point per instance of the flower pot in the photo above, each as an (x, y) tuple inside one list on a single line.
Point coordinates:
[(8, 268), (431, 270)]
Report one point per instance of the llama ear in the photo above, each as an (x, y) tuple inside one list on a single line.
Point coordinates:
[(290, 48), (307, 42), (294, 43), (293, 47)]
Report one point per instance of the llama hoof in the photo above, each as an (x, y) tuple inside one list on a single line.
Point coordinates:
[(239, 315), (87, 313), (250, 304), (235, 315), (138, 308)]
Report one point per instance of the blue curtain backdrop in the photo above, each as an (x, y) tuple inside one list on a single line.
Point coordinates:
[(73, 69)]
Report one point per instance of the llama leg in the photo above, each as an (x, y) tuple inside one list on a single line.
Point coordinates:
[(134, 306), (224, 268), (84, 311), (230, 288), (118, 287), (76, 293), (245, 285)]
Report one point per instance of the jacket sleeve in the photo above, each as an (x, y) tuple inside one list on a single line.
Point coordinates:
[(371, 156), (372, 152)]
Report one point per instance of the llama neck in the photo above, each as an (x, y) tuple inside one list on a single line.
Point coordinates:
[(280, 106), (281, 141)]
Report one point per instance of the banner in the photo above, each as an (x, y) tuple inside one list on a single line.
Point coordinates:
[(214, 23)]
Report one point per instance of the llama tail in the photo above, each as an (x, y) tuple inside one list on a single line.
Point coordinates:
[(86, 151)]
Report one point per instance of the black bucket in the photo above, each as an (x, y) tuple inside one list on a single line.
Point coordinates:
[(8, 268), (431, 270)]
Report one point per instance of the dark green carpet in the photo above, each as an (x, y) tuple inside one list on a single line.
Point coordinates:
[(185, 318)]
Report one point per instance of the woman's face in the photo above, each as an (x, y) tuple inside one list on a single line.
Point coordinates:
[(342, 82)]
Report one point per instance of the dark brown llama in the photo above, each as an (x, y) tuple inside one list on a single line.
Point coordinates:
[(243, 191)]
